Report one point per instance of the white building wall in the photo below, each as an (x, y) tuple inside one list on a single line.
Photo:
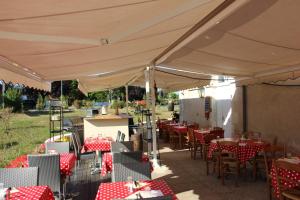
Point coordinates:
[(192, 106)]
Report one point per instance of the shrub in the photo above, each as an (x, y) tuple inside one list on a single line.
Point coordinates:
[(77, 104), (13, 99), (40, 102)]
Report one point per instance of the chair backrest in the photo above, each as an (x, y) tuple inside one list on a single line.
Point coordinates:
[(75, 145), (270, 153), (121, 146), (127, 157), (118, 136), (218, 132), (209, 137), (122, 137), (49, 169), (59, 147), (233, 151), (190, 134), (283, 180), (77, 138), (138, 171), (19, 177)]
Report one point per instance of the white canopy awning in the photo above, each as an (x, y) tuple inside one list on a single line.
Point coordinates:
[(63, 40), (11, 72), (256, 43), (165, 78), (252, 40)]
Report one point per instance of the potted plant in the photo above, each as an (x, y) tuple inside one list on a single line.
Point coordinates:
[(115, 105)]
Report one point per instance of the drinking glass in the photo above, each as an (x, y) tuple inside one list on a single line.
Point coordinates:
[(130, 183), (99, 135), (2, 191)]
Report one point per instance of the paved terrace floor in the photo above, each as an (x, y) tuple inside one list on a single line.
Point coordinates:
[(186, 177)]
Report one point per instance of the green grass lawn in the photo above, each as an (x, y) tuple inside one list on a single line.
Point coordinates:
[(29, 131)]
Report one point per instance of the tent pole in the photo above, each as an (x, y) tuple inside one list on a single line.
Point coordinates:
[(126, 91), (153, 110), (147, 87), (61, 91)]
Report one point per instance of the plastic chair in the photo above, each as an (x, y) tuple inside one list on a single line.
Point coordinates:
[(118, 136), (138, 171), (127, 157), (121, 146), (19, 177), (49, 170)]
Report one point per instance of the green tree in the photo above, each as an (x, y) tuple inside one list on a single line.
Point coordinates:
[(40, 102), (101, 96), (13, 99)]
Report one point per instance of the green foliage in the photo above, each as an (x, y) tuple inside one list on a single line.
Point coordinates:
[(87, 103), (40, 102), (13, 99), (101, 96), (5, 117), (65, 102), (173, 96), (77, 104), (115, 104)]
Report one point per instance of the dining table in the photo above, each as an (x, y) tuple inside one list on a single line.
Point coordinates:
[(248, 148), (107, 162), (108, 191), (98, 144), (200, 135), (32, 193), (67, 162), (181, 131), (285, 173)]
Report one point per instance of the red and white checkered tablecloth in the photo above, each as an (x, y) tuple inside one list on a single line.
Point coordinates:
[(180, 129), (247, 149), (107, 163), (199, 135), (108, 191), (33, 193), (97, 144), (67, 162), (286, 173)]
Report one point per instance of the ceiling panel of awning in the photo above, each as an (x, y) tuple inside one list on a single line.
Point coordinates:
[(258, 40), (165, 78), (62, 40)]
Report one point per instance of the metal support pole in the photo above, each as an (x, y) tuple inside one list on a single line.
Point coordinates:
[(245, 111), (61, 92), (147, 87), (126, 93), (153, 110)]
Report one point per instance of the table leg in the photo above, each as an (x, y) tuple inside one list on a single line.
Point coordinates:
[(99, 158), (180, 140)]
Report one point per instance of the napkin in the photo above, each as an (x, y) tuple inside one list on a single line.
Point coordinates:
[(293, 160), (146, 194)]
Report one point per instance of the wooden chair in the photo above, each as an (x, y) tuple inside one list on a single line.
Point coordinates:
[(190, 140), (284, 191), (229, 162), (173, 138), (263, 162), (197, 146), (214, 159)]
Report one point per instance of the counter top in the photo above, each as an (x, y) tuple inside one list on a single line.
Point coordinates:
[(108, 117)]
